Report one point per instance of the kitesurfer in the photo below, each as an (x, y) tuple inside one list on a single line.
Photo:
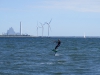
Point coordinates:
[(58, 44)]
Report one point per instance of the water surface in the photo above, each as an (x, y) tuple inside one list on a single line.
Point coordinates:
[(34, 56)]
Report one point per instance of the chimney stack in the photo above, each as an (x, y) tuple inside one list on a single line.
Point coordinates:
[(20, 28)]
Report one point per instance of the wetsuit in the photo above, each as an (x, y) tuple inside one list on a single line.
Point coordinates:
[(58, 44)]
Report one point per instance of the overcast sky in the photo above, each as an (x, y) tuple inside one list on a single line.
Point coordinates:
[(69, 17)]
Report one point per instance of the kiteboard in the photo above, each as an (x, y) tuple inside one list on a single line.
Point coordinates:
[(54, 50)]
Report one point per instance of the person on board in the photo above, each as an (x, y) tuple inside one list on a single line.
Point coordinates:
[(58, 44)]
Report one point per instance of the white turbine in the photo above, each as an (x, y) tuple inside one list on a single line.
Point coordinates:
[(49, 26), (37, 28), (42, 28)]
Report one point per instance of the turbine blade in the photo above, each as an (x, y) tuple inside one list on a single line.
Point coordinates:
[(40, 23), (45, 23), (50, 21)]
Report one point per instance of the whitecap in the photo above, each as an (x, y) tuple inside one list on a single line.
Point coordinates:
[(56, 54)]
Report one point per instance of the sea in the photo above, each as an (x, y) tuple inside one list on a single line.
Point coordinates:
[(34, 56)]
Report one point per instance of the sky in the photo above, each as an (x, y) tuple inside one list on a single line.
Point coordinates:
[(69, 17)]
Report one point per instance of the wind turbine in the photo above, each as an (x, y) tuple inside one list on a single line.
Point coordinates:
[(49, 26), (42, 28), (37, 28)]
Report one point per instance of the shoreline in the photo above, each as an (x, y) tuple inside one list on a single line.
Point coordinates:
[(16, 36), (49, 36)]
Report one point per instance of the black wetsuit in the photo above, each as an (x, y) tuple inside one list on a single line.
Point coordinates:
[(58, 44)]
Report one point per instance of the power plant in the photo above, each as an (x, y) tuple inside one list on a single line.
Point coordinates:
[(11, 33)]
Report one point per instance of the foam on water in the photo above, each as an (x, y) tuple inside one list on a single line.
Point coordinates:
[(57, 54)]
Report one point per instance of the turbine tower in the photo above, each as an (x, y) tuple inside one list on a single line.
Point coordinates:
[(42, 28), (49, 26), (38, 28)]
